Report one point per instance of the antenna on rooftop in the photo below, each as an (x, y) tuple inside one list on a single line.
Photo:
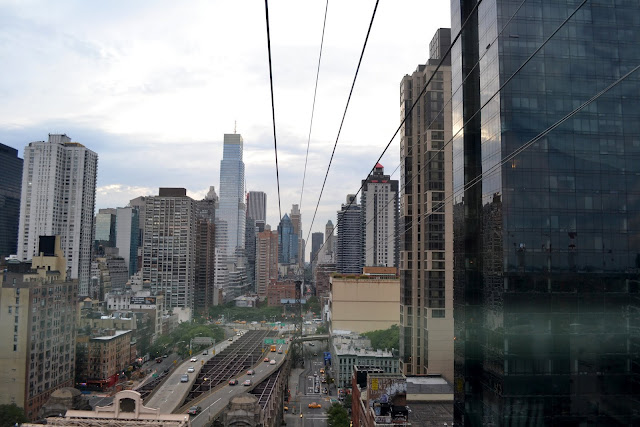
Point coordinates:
[(235, 125)]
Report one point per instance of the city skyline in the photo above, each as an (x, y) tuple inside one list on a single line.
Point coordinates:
[(116, 93)]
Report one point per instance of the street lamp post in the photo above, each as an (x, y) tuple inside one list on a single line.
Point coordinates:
[(191, 342)]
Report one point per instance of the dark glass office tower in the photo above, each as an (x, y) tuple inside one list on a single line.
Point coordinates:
[(10, 186), (547, 243)]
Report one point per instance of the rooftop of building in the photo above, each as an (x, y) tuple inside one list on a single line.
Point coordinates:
[(429, 384), (110, 337)]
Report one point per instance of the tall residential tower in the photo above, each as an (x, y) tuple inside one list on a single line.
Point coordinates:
[(426, 266), (58, 198)]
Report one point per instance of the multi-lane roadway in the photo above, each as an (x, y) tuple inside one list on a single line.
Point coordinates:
[(215, 402)]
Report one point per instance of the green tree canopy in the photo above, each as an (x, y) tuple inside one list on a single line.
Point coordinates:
[(337, 416), (385, 338), (11, 414)]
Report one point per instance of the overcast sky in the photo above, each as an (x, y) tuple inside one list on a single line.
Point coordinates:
[(152, 87)]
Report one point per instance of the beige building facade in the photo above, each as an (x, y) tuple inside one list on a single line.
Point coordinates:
[(363, 303), (426, 258), (37, 314)]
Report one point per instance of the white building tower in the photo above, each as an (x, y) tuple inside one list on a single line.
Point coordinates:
[(58, 198)]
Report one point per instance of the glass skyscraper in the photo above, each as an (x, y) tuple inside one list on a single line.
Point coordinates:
[(547, 244), (10, 184), (287, 242), (231, 207)]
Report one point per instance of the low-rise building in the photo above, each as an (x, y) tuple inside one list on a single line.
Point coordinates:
[(138, 300), (278, 291), (350, 349), (378, 399), (101, 360)]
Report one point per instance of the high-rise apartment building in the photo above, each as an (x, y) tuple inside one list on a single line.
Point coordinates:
[(231, 207), (105, 228), (329, 250), (426, 239), (58, 198), (127, 236), (350, 237), (257, 205), (266, 269), (205, 252), (547, 314), (287, 242), (38, 305), (316, 243), (139, 203), (169, 247), (379, 203), (10, 184), (296, 221)]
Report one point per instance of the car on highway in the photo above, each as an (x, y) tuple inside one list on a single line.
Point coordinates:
[(280, 351), (311, 344), (230, 339), (206, 352), (191, 369), (272, 362), (322, 370), (315, 405), (233, 381), (194, 410), (325, 391), (184, 378), (246, 383), (194, 359), (251, 372), (266, 359)]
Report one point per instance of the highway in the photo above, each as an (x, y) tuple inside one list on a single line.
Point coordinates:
[(213, 404), (170, 395)]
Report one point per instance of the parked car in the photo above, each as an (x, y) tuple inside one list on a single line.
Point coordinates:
[(191, 369), (184, 378), (246, 383), (194, 410), (233, 381), (194, 359)]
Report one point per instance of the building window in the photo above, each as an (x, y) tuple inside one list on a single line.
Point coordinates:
[(10, 309), (437, 313)]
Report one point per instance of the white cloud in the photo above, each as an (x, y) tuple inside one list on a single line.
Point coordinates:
[(152, 86)]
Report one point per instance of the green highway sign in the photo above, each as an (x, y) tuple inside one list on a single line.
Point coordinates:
[(281, 341), (268, 341)]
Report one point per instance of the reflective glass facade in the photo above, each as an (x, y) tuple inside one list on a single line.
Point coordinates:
[(10, 184), (547, 247), (287, 242), (231, 208)]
